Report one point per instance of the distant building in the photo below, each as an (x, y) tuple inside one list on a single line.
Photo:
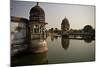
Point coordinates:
[(65, 25)]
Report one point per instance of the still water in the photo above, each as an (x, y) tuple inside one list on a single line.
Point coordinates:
[(60, 50), (64, 50)]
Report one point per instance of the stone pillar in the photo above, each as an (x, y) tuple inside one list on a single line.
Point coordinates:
[(39, 29)]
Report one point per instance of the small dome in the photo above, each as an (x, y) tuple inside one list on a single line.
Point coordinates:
[(37, 14), (37, 10)]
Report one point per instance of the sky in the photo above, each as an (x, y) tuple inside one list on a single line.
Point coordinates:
[(77, 15)]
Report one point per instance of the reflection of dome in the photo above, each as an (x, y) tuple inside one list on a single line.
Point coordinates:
[(65, 24), (65, 43), (37, 14)]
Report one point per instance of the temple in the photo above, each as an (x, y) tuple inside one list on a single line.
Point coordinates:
[(30, 32)]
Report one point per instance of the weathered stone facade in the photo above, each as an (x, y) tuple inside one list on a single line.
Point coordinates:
[(37, 22), (37, 30), (32, 31), (18, 30)]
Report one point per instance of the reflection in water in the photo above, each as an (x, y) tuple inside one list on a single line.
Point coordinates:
[(75, 53), (88, 39), (30, 59), (56, 37), (65, 42), (53, 37), (36, 54), (78, 51), (38, 46)]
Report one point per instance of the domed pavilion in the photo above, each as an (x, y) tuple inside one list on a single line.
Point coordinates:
[(38, 32), (37, 21)]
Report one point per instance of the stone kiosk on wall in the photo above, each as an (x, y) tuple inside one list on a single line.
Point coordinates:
[(37, 29), (31, 32)]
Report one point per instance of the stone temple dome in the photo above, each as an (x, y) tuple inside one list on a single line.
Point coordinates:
[(65, 24), (37, 13)]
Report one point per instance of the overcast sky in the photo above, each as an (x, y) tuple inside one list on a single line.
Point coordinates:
[(78, 15)]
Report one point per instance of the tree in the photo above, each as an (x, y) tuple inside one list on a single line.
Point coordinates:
[(88, 29)]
